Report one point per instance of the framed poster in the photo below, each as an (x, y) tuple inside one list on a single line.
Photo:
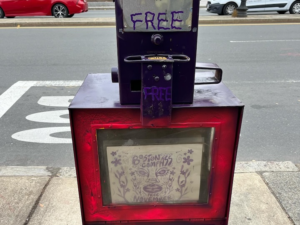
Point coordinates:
[(155, 166), (154, 173)]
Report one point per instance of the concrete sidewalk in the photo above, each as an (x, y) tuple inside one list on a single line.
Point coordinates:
[(263, 193), (96, 22)]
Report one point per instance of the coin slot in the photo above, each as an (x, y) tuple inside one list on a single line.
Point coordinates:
[(135, 85)]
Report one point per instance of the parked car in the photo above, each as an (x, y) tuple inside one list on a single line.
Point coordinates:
[(226, 7), (56, 8)]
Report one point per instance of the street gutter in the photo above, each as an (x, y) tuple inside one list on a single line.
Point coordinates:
[(96, 22)]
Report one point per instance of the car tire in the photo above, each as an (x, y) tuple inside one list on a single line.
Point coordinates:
[(281, 12), (70, 15), (60, 11), (10, 17), (1, 13), (295, 8), (229, 8)]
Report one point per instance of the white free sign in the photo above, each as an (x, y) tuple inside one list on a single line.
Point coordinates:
[(40, 135)]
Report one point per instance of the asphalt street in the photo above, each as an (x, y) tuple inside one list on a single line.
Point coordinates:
[(111, 13), (260, 65)]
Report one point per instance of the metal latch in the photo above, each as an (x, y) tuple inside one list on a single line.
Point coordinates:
[(156, 87)]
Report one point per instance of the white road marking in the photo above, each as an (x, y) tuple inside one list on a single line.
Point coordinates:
[(257, 41), (13, 94), (49, 117), (40, 135), (262, 82), (54, 116), (59, 83), (17, 90), (43, 135), (55, 101)]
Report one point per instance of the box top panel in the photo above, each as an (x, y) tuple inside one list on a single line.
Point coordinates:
[(98, 92)]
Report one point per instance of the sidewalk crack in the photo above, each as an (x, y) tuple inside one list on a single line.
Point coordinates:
[(54, 172)]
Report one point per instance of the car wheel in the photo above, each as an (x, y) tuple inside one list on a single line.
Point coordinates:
[(1, 13), (70, 15), (229, 8), (295, 8), (10, 17), (60, 11)]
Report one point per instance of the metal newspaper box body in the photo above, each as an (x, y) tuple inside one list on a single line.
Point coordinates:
[(176, 174), (159, 146)]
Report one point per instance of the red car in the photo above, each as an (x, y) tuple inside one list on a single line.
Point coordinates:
[(56, 8)]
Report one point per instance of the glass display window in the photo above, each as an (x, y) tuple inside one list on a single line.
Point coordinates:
[(155, 166)]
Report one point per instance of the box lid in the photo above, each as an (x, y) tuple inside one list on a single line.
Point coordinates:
[(98, 91)]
